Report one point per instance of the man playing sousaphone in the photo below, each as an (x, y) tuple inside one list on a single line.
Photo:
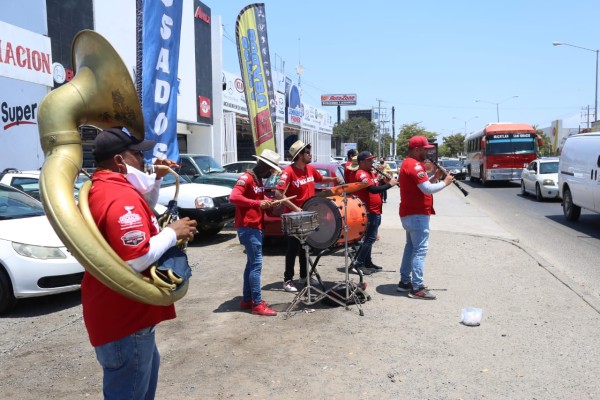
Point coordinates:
[(120, 329), (248, 196), (298, 179)]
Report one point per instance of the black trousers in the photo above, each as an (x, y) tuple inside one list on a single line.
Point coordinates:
[(294, 248), (384, 193)]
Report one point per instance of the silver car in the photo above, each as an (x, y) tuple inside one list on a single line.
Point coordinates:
[(541, 178)]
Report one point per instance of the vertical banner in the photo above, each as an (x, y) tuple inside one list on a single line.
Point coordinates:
[(161, 30), (203, 51), (255, 66)]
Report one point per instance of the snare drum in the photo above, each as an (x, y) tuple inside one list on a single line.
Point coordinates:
[(331, 211), (299, 222)]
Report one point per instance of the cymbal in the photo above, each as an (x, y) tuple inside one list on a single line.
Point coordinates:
[(345, 188)]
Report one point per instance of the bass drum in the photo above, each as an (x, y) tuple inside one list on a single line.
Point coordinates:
[(331, 214)]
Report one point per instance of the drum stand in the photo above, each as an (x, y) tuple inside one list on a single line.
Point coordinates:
[(352, 289), (310, 294)]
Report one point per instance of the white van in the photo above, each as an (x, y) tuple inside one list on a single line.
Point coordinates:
[(578, 178)]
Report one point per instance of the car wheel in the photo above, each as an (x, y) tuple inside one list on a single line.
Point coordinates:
[(7, 297), (570, 210), (538, 192), (523, 191)]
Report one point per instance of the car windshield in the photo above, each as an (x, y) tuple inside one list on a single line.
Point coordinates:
[(392, 164), (16, 205), (169, 180), (451, 164), (208, 164), (549, 167)]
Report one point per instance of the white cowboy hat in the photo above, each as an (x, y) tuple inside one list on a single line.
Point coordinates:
[(270, 158), (297, 147)]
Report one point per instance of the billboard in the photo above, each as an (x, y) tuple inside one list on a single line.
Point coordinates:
[(368, 114), (338, 99)]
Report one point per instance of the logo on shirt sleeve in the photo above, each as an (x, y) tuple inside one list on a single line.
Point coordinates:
[(133, 238), (421, 174), (130, 219)]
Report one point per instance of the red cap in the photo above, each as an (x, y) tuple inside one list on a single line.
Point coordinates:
[(419, 141)]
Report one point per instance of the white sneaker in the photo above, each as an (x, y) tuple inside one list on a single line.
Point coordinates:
[(313, 281), (289, 286)]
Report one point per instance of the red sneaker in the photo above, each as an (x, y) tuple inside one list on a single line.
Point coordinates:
[(246, 305), (263, 308)]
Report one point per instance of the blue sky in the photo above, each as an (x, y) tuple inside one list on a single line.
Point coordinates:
[(432, 59)]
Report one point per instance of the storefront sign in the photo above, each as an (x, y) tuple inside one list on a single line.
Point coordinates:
[(25, 55)]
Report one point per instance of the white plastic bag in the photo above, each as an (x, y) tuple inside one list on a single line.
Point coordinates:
[(471, 316)]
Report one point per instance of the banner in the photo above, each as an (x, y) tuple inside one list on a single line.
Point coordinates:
[(161, 30), (25, 55), (255, 66)]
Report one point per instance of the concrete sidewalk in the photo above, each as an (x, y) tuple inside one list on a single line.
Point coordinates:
[(454, 213), (537, 339)]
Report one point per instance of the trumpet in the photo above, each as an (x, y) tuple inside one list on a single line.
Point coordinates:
[(380, 172)]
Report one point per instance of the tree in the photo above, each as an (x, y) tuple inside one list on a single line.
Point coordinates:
[(454, 145), (546, 148), (358, 130), (409, 130)]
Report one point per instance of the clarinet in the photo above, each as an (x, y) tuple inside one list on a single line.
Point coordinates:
[(463, 190)]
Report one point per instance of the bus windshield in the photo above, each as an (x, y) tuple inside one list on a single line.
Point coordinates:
[(522, 143)]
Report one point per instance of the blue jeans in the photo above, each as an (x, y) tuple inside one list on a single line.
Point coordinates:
[(364, 254), (415, 250), (130, 366), (252, 240)]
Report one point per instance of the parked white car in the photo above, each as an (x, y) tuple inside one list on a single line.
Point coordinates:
[(207, 204), (33, 260), (29, 181), (541, 178), (578, 177)]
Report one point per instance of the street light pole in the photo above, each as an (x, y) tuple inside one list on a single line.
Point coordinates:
[(497, 104), (465, 121), (595, 51)]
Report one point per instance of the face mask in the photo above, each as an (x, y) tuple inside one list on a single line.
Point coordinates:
[(142, 182)]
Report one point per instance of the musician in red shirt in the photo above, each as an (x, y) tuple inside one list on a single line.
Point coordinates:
[(248, 196), (416, 206), (349, 173), (371, 197), (120, 329), (298, 179)]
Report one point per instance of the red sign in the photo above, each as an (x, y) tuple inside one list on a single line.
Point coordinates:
[(338, 99), (204, 106)]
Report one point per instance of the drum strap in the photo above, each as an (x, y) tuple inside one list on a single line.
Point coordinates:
[(253, 175)]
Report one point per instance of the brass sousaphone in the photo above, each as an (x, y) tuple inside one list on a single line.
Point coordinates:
[(101, 94)]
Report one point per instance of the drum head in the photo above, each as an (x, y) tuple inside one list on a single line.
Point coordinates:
[(330, 222)]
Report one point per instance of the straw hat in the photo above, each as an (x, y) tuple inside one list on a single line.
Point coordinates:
[(297, 147), (270, 158)]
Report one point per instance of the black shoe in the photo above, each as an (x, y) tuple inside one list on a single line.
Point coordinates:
[(359, 270), (404, 287), (375, 267)]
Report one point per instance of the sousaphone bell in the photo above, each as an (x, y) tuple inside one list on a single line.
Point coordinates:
[(101, 94)]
